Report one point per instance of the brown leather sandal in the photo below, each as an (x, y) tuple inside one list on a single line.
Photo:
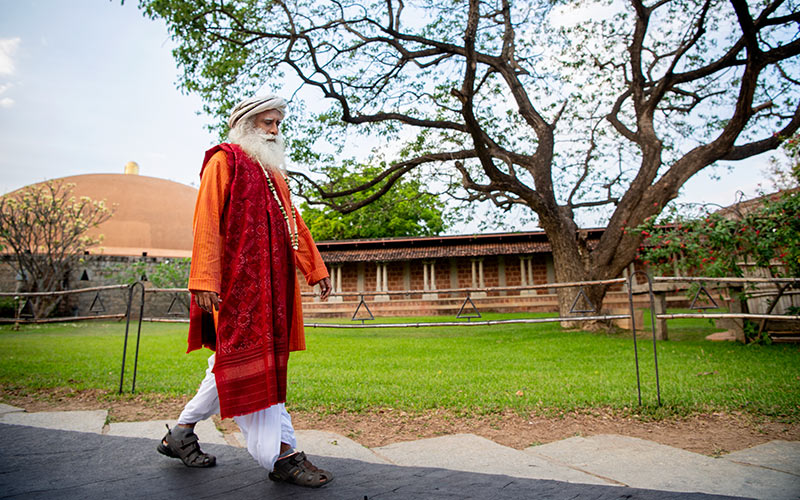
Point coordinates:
[(296, 469), (186, 448)]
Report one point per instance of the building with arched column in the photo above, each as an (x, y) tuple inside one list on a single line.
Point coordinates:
[(434, 275)]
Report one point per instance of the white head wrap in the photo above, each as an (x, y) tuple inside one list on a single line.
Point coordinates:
[(255, 105)]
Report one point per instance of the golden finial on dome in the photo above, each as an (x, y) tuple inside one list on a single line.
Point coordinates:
[(132, 168)]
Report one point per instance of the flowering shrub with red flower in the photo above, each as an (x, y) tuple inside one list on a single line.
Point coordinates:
[(718, 246)]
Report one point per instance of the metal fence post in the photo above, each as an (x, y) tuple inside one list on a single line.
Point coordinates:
[(138, 336), (653, 326)]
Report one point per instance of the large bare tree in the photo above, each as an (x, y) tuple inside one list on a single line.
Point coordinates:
[(556, 107)]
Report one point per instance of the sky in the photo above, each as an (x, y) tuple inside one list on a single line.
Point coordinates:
[(89, 85)]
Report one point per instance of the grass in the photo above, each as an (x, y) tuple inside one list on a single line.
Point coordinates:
[(479, 369), (88, 355)]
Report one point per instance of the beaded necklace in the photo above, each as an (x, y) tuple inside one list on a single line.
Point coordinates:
[(293, 235)]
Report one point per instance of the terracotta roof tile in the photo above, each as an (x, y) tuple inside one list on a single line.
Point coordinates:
[(433, 252)]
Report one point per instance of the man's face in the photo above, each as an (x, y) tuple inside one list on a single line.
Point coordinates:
[(268, 122)]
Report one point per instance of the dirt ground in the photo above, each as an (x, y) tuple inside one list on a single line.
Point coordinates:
[(710, 434)]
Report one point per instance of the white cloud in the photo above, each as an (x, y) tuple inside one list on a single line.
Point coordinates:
[(8, 46), (4, 87), (6, 102)]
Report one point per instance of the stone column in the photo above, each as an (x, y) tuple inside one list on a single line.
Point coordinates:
[(474, 281), (430, 274), (336, 283), (380, 282), (523, 280), (477, 281), (526, 269)]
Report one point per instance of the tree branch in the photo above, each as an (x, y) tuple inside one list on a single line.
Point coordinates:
[(768, 144), (390, 175)]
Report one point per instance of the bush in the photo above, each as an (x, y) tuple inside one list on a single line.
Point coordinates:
[(8, 307)]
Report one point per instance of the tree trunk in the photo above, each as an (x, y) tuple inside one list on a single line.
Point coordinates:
[(578, 300), (573, 262)]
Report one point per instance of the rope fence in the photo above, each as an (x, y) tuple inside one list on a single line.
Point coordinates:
[(583, 314)]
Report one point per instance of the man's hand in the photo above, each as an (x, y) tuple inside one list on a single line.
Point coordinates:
[(208, 301), (324, 288)]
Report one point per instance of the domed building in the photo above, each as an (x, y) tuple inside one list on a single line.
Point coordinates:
[(151, 215), (151, 223)]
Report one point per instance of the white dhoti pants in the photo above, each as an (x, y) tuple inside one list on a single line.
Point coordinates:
[(264, 430)]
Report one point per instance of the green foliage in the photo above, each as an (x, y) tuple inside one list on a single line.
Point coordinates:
[(719, 245), (699, 247), (167, 273), (752, 334), (785, 172), (406, 210), (8, 307), (414, 369)]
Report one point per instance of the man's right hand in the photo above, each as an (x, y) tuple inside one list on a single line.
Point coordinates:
[(208, 301)]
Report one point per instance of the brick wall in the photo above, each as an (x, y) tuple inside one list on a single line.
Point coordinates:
[(539, 266), (417, 274)]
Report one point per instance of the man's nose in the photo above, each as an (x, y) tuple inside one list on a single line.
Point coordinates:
[(273, 129)]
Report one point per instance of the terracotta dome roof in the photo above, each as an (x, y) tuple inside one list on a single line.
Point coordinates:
[(150, 215)]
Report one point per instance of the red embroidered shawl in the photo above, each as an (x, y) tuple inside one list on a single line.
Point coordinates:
[(252, 335)]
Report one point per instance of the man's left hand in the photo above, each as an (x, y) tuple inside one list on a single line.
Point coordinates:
[(324, 288)]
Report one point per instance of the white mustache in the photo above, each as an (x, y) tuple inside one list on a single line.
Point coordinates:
[(269, 137)]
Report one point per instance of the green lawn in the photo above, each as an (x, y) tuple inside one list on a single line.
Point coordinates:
[(470, 370)]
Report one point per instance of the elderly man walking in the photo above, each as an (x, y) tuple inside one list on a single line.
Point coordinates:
[(248, 238)]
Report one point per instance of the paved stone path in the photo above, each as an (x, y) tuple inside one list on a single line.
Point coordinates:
[(75, 455)]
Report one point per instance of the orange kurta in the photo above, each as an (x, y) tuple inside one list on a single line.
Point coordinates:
[(206, 270)]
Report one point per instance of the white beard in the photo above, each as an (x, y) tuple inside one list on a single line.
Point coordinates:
[(267, 149)]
